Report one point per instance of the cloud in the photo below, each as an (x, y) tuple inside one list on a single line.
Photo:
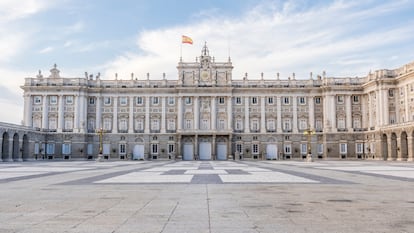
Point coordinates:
[(339, 37), (12, 10), (46, 50)]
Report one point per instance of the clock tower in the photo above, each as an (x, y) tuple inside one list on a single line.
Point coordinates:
[(205, 71)]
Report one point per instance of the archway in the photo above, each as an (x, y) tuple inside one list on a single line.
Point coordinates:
[(404, 146), (393, 146), (25, 154), (5, 147), (384, 146), (16, 147)]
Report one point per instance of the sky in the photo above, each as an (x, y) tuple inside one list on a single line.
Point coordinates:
[(343, 38)]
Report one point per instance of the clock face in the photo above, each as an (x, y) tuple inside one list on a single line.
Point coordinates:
[(205, 75)]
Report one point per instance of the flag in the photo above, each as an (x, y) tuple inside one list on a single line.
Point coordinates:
[(187, 40)]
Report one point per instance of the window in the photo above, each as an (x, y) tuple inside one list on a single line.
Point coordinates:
[(50, 149), (255, 149), (139, 100), (205, 124), (155, 100), (37, 99), (254, 138), (68, 123), (91, 124), (221, 100), (288, 149), (123, 101), (122, 149), (239, 124), (53, 99), (123, 124), (69, 99), (171, 124), (239, 148), (320, 149), (340, 99), (303, 149), (303, 124), (171, 148), (107, 124), (286, 100), (139, 124), (52, 123), (302, 100), (188, 124), (187, 100), (270, 100), (359, 148), (286, 124), (66, 149), (341, 123), (317, 100), (342, 148), (92, 100), (318, 124), (238, 100), (271, 124), (155, 124), (391, 92), (221, 125), (255, 124), (107, 100), (89, 150), (154, 148), (254, 100), (357, 123), (171, 100), (356, 99)]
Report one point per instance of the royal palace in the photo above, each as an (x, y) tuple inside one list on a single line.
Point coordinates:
[(205, 114)]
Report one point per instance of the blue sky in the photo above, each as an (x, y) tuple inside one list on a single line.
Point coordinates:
[(343, 38)]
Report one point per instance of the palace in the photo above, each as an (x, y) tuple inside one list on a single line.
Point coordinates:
[(205, 114)]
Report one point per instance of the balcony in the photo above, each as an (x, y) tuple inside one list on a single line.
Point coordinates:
[(155, 131), (122, 131), (342, 130), (171, 131), (67, 130), (271, 130), (139, 131)]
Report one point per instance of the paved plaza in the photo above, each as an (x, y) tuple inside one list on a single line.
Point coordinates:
[(207, 196)]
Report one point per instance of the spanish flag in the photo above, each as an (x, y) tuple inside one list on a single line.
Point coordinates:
[(186, 40)]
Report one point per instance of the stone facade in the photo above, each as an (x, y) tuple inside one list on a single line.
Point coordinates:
[(205, 114)]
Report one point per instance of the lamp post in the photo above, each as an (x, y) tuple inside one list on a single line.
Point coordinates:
[(309, 132), (100, 132)]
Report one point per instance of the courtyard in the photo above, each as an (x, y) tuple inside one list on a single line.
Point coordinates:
[(206, 196)]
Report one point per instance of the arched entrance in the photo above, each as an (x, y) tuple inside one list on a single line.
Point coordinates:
[(5, 147), (16, 149), (188, 149), (393, 147), (404, 146), (25, 153), (384, 146)]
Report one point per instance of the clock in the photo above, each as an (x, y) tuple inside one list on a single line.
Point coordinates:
[(205, 75)]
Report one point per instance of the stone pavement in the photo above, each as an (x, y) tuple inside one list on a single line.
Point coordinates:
[(207, 196)]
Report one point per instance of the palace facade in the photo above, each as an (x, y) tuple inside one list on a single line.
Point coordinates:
[(207, 115)]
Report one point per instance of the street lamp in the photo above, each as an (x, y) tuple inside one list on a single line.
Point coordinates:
[(309, 132), (100, 132)]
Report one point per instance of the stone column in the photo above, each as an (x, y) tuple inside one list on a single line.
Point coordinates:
[(27, 111), (378, 109), (196, 147), (246, 115), (44, 113), (385, 113), (196, 114), (163, 114), (213, 113), (131, 115), (410, 148), (348, 108), (147, 115), (229, 114), (279, 114), (364, 112), (333, 112), (179, 113), (76, 113), (311, 113), (295, 114), (399, 149), (82, 113), (406, 104), (370, 120), (115, 116), (98, 113), (61, 115), (262, 115), (213, 144)]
